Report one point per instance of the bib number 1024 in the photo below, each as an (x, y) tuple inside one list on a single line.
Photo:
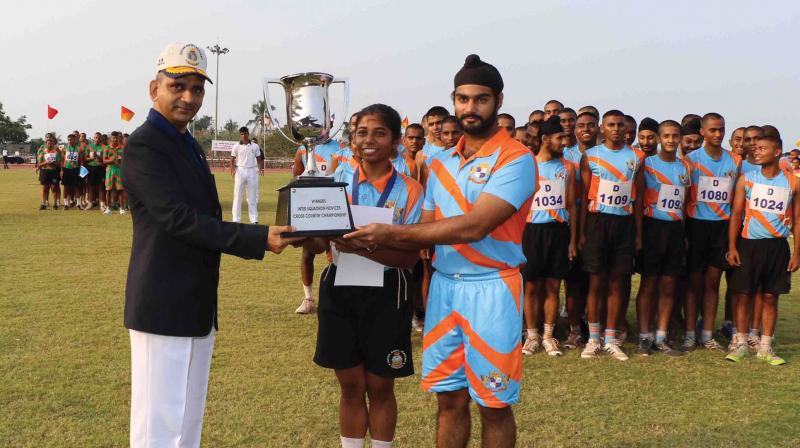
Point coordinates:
[(614, 194), (769, 199)]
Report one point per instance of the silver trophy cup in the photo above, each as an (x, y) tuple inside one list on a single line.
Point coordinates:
[(313, 203)]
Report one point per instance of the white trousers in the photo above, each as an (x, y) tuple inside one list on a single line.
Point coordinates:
[(245, 178), (169, 381)]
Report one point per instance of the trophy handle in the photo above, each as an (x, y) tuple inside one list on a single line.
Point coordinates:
[(346, 119), (267, 82)]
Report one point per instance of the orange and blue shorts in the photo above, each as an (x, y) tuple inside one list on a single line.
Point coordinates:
[(472, 336)]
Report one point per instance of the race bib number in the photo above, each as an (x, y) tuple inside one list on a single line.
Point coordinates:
[(614, 194), (670, 198), (767, 198), (714, 189), (72, 156), (550, 196), (50, 158)]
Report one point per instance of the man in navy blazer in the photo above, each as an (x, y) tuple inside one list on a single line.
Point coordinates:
[(178, 239)]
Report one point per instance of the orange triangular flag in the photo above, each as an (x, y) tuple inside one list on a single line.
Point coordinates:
[(126, 114), (405, 122), (51, 112)]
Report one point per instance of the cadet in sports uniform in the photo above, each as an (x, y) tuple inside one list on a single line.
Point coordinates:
[(48, 161), (549, 242), (759, 254), (112, 158), (324, 156), (478, 197), (609, 237), (71, 163), (364, 332), (714, 173), (663, 256), (577, 284)]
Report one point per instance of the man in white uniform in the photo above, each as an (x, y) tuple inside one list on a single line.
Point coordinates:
[(247, 163)]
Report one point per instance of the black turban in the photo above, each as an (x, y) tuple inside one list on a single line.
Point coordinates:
[(691, 127), (480, 73), (551, 126), (648, 124)]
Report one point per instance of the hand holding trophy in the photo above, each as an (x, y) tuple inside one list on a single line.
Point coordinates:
[(312, 203)]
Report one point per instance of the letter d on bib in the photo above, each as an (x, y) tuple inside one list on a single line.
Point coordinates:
[(615, 188), (715, 183), (548, 188)]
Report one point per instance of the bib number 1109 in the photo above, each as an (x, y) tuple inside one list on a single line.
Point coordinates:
[(614, 194)]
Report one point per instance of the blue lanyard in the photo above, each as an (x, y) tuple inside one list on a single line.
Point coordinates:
[(384, 196)]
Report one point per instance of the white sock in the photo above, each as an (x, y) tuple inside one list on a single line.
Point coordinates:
[(548, 330), (533, 333), (308, 291), (766, 342), (381, 444), (348, 442)]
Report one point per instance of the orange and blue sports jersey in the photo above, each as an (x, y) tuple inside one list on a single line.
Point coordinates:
[(611, 185), (502, 167), (711, 192), (665, 185), (400, 163), (429, 150), (573, 155), (768, 205), (747, 167), (323, 154), (404, 193), (549, 204)]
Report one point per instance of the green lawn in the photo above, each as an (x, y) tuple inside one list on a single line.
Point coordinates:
[(65, 362)]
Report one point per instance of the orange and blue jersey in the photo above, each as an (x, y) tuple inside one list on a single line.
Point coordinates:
[(747, 167), (549, 204), (429, 150), (573, 155), (474, 309), (400, 163), (323, 154), (665, 185), (405, 196), (611, 184), (768, 205), (711, 191), (503, 168)]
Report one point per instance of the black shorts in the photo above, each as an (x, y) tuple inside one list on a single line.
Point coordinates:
[(546, 247), (49, 177), (764, 263), (92, 177), (663, 248), (610, 243), (708, 243), (365, 325), (70, 178)]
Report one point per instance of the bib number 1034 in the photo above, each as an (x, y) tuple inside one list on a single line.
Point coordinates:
[(550, 195), (614, 194)]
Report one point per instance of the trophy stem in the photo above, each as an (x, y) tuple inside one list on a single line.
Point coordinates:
[(311, 161)]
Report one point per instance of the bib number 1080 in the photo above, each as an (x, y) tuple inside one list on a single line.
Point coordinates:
[(714, 189)]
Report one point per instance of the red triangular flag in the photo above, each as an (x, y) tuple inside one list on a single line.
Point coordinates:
[(51, 112), (126, 114)]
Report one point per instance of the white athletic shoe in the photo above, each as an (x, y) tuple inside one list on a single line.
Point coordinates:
[(306, 306), (592, 349), (613, 349), (551, 347), (122, 211), (531, 346), (107, 211)]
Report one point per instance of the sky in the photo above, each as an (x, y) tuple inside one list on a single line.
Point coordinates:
[(661, 59)]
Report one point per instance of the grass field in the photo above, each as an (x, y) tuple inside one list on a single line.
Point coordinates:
[(65, 359)]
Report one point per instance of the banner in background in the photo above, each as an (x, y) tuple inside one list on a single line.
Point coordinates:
[(222, 145)]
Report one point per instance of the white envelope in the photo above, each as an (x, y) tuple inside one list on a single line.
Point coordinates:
[(355, 270)]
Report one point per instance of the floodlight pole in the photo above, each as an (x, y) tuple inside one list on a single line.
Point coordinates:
[(217, 50)]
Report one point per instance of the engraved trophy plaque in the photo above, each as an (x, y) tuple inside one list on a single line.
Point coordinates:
[(313, 203)]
